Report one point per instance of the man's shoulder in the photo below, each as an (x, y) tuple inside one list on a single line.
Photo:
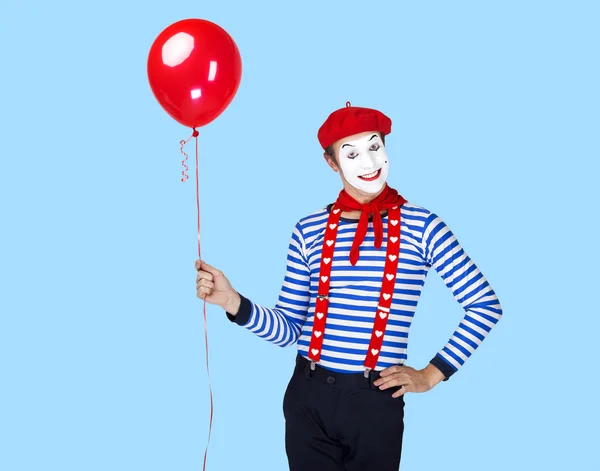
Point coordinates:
[(315, 218), (418, 219), (415, 211)]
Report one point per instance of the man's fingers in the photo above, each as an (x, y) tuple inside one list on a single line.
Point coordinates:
[(385, 379), (390, 381), (203, 275), (201, 264), (391, 370), (204, 290), (209, 268), (401, 392), (206, 283)]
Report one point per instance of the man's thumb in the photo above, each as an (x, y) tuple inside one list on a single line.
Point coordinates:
[(209, 268)]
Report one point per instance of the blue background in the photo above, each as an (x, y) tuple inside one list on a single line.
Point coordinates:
[(495, 108)]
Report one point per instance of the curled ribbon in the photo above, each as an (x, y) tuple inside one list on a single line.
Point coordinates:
[(183, 162)]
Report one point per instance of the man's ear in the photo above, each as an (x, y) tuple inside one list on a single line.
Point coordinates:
[(330, 162)]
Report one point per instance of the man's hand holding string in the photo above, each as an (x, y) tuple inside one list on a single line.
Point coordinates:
[(214, 287)]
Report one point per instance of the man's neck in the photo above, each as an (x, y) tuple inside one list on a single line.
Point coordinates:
[(356, 214), (362, 198)]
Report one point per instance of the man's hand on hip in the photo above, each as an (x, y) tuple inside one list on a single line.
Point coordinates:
[(410, 379)]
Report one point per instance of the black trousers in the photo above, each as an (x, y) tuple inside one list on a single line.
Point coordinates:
[(341, 421)]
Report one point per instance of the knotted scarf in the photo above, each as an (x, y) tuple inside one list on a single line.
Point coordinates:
[(385, 200)]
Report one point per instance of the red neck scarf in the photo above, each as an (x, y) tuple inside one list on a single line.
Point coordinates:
[(385, 200)]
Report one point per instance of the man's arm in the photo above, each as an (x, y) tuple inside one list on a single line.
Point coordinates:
[(282, 324), (469, 287)]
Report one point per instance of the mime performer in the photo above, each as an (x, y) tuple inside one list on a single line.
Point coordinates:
[(355, 271)]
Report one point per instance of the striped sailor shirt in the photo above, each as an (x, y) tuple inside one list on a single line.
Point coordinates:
[(425, 242)]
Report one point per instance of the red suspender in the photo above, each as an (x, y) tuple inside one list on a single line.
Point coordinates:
[(387, 287), (385, 296), (322, 304)]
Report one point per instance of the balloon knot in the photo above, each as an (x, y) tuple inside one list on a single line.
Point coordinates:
[(348, 105), (195, 133)]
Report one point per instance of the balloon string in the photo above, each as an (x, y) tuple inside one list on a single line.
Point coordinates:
[(195, 135), (209, 388), (205, 323)]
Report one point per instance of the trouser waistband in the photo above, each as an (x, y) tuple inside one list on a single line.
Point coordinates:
[(333, 378)]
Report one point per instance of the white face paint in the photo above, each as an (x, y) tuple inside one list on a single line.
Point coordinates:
[(364, 163)]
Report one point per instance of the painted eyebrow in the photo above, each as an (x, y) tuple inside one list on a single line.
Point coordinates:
[(371, 138)]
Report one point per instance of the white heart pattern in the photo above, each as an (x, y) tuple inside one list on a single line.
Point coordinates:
[(326, 260), (329, 243), (392, 257), (379, 333), (383, 315), (394, 239), (389, 276), (335, 211), (374, 351), (320, 315), (315, 351), (318, 333), (332, 226), (386, 296), (394, 222), (324, 278), (395, 207)]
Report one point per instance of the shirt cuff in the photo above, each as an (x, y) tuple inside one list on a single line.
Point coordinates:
[(243, 315), (443, 366)]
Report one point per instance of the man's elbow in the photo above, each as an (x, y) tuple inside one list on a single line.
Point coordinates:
[(498, 312), (290, 339)]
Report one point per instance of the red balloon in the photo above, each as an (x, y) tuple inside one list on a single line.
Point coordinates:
[(194, 70)]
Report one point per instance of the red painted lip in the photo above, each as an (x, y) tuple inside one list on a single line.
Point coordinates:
[(375, 177)]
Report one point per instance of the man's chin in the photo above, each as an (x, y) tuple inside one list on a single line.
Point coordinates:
[(369, 187)]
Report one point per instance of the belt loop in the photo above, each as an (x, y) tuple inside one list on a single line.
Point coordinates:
[(372, 378), (307, 371)]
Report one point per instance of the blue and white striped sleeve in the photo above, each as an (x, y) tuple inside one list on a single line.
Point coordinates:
[(282, 324), (469, 287)]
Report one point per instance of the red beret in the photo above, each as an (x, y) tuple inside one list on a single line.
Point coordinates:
[(352, 120)]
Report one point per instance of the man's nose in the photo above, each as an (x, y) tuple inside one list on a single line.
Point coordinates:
[(366, 160)]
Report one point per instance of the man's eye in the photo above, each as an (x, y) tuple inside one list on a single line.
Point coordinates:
[(374, 147), (352, 155)]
